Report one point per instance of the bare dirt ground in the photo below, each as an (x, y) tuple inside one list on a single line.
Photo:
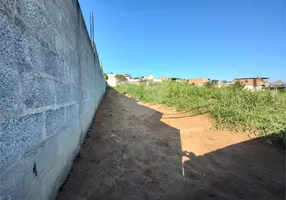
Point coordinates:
[(145, 151)]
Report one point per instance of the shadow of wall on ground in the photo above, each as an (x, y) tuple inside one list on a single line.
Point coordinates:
[(131, 154), (247, 170)]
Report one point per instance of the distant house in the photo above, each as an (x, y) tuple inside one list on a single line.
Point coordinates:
[(177, 79), (172, 79), (133, 81), (256, 83), (128, 76), (165, 78), (148, 77), (157, 80), (279, 82), (111, 81), (224, 83), (198, 81), (278, 85)]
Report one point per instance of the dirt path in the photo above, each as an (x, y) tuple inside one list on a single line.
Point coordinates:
[(138, 151)]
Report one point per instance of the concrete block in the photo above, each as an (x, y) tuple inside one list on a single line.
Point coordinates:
[(86, 117), (61, 46), (41, 159), (72, 24), (11, 52), (19, 180), (10, 97), (9, 4), (37, 91), (74, 93), (85, 66), (68, 34), (38, 192), (86, 83), (53, 14), (32, 13), (28, 174), (72, 114), (12, 182), (62, 93), (92, 94), (86, 106), (20, 48), (18, 136), (68, 140), (64, 141), (85, 94), (24, 179), (53, 179), (52, 63), (55, 121), (74, 74), (66, 8), (72, 60), (32, 54), (67, 77)]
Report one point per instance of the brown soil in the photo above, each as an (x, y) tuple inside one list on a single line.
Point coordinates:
[(144, 151)]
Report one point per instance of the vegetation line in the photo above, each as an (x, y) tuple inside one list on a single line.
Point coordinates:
[(230, 108)]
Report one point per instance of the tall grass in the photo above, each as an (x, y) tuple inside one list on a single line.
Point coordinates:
[(229, 108)]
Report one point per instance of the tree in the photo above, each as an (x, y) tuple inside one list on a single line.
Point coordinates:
[(211, 83), (127, 75), (214, 82), (238, 85), (208, 84), (120, 78), (105, 76)]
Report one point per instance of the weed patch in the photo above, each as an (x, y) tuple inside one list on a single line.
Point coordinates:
[(229, 108)]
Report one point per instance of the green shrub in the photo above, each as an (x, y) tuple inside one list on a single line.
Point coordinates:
[(120, 78), (105, 76)]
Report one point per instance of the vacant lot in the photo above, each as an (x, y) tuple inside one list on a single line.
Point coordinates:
[(147, 151), (230, 108)]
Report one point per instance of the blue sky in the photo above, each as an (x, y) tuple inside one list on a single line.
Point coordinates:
[(217, 39)]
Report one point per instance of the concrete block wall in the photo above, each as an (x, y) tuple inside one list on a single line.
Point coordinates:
[(51, 84)]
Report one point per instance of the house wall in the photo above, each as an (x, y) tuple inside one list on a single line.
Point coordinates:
[(51, 85), (135, 81), (148, 77), (251, 81), (157, 80), (165, 79), (198, 81)]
